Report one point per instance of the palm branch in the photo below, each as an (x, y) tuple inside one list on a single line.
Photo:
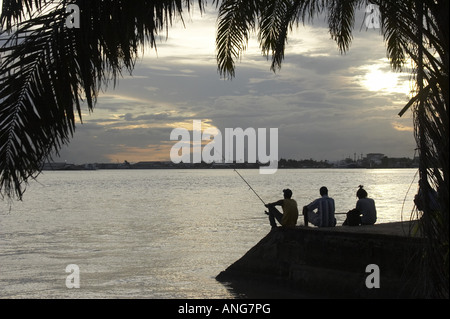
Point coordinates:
[(48, 71)]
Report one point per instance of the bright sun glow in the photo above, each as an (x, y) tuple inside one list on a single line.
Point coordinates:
[(379, 80)]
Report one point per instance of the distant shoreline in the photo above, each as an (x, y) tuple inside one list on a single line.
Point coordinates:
[(372, 160), (159, 165)]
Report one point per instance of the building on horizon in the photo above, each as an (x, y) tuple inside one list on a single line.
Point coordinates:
[(374, 159)]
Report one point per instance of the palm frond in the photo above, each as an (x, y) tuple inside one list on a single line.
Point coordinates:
[(274, 19), (36, 98), (236, 20), (273, 27), (47, 71), (16, 11), (341, 18)]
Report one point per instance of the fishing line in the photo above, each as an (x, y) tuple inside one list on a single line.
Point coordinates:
[(249, 186), (409, 188), (223, 157)]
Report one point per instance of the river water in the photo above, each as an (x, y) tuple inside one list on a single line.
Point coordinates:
[(161, 233)]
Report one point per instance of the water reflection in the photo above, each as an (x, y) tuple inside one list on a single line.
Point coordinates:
[(161, 233)]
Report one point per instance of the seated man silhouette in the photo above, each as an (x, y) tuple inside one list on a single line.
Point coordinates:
[(365, 212), (324, 217), (290, 211)]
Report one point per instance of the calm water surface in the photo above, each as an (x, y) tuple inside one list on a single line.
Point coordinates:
[(161, 233)]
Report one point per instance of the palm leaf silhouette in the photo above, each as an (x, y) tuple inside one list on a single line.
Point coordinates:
[(48, 71)]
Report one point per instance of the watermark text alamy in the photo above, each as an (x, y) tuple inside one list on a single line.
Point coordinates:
[(227, 148)]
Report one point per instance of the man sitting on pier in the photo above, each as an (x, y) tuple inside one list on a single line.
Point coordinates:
[(365, 212), (290, 211), (325, 211)]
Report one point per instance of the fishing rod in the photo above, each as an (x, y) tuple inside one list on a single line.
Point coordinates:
[(305, 216), (249, 186), (255, 191), (260, 197), (223, 157)]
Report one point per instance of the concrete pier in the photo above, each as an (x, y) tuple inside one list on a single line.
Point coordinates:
[(332, 262)]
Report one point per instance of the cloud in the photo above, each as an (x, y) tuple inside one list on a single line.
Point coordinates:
[(320, 100), (402, 127)]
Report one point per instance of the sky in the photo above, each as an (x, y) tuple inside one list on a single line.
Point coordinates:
[(325, 105)]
